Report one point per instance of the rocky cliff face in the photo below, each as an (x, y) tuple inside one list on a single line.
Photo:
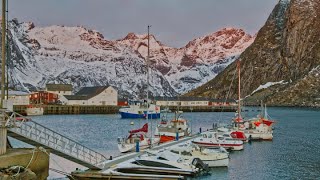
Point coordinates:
[(83, 57), (286, 50)]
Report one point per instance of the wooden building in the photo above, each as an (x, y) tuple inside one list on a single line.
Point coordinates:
[(60, 89), (43, 97), (18, 97), (99, 95), (193, 101)]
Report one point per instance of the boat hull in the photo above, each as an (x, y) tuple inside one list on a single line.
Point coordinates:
[(164, 138), (127, 115), (131, 147), (235, 147), (34, 111), (217, 163), (117, 175), (259, 136)]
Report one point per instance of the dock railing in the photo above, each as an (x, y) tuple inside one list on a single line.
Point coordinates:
[(28, 131)]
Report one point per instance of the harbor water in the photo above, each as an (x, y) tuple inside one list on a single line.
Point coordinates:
[(293, 154)]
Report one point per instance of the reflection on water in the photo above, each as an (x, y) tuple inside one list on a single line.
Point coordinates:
[(293, 154)]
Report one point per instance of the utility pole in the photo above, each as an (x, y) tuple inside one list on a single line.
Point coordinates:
[(3, 45), (8, 51), (3, 128)]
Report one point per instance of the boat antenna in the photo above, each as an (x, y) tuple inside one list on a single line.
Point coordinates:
[(239, 91)]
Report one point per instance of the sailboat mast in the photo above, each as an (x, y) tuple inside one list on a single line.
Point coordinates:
[(3, 40), (148, 56), (239, 91)]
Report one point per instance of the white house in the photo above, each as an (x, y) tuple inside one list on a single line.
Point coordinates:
[(60, 89), (99, 95), (18, 97)]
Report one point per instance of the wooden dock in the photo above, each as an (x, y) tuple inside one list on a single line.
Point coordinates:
[(91, 109), (72, 109)]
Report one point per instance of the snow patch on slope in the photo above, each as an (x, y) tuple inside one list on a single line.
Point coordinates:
[(268, 84)]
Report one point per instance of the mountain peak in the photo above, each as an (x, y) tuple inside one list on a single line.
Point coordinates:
[(130, 36)]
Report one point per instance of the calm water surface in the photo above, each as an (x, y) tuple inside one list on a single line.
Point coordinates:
[(293, 154)]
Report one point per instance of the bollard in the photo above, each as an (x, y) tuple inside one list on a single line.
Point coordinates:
[(177, 136), (200, 130), (137, 146)]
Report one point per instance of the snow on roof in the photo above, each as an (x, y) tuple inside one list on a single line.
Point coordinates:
[(17, 93)]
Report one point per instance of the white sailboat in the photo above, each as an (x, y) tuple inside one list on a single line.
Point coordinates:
[(142, 109), (254, 129)]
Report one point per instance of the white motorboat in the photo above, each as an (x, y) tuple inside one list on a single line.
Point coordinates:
[(32, 110), (137, 136), (158, 164), (212, 139), (168, 131), (217, 157)]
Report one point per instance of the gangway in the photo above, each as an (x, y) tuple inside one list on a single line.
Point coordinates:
[(30, 132)]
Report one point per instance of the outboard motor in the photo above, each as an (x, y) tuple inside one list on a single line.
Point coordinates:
[(198, 163)]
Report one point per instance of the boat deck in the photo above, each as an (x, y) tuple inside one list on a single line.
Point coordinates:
[(110, 163)]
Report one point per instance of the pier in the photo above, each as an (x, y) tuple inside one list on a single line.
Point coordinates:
[(72, 109), (90, 109)]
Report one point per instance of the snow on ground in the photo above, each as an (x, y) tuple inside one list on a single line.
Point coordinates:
[(268, 84)]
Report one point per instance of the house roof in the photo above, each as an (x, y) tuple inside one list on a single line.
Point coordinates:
[(17, 93), (75, 97), (86, 93), (192, 99), (59, 87)]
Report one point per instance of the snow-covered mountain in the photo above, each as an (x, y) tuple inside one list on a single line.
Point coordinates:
[(196, 63), (83, 57)]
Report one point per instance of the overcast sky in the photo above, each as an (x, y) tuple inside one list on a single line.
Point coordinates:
[(174, 22)]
